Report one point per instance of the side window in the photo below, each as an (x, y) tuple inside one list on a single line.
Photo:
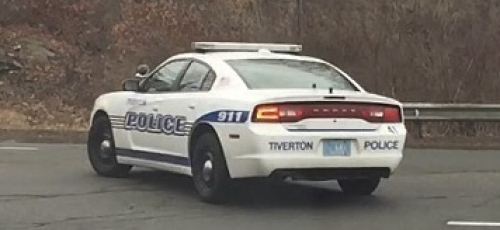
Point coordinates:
[(164, 79), (208, 81), (193, 77)]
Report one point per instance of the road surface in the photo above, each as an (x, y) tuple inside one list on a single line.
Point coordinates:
[(53, 187)]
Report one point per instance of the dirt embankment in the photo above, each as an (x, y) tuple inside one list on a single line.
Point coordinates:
[(57, 56)]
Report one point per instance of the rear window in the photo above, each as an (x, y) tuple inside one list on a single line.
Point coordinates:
[(289, 74)]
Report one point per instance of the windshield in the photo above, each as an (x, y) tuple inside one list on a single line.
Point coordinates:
[(289, 74)]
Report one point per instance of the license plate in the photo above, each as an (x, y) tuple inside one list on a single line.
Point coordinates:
[(336, 148)]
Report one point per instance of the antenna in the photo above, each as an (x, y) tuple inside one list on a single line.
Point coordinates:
[(331, 90), (314, 86)]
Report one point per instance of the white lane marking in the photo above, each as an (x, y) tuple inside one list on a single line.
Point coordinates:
[(474, 224), (20, 148)]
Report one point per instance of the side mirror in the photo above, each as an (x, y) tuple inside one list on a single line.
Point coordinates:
[(142, 70), (130, 85)]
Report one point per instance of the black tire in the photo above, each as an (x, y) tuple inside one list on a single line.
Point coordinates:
[(360, 187), (103, 162), (212, 186)]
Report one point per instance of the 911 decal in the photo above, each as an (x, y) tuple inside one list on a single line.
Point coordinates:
[(225, 116), (157, 123), (229, 116)]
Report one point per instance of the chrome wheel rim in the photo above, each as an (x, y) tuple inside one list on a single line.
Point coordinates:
[(106, 149), (206, 172)]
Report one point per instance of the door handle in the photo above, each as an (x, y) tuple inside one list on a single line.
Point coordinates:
[(191, 106), (155, 109)]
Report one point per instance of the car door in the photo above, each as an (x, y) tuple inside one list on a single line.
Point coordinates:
[(180, 107), (143, 120)]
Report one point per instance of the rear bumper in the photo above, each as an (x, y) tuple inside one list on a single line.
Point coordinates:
[(314, 168), (264, 150), (322, 174)]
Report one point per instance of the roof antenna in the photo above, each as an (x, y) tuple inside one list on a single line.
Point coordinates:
[(314, 86), (331, 90)]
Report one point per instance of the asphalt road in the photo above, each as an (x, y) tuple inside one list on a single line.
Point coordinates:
[(53, 187)]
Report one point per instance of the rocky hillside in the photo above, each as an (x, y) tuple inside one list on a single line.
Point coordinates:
[(56, 56)]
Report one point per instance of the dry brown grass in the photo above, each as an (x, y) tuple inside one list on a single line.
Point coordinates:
[(413, 50), (13, 118)]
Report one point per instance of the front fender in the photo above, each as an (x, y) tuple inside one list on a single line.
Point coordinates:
[(113, 104)]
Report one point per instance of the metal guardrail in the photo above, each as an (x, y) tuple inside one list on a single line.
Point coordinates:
[(451, 112), (467, 113)]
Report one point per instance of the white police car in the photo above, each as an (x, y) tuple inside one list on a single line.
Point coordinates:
[(245, 110)]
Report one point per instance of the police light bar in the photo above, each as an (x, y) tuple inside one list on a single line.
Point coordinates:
[(245, 47)]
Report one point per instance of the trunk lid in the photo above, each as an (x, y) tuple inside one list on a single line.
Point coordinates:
[(320, 110)]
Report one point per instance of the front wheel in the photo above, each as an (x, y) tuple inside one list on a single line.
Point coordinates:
[(210, 174), (101, 150), (361, 187)]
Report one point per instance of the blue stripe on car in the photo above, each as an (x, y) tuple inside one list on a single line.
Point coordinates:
[(153, 156)]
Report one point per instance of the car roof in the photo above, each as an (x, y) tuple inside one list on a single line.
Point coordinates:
[(224, 56), (217, 59)]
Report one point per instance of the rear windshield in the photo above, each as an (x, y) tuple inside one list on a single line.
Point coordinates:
[(289, 74)]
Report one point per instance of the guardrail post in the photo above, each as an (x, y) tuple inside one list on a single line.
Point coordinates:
[(419, 124), (419, 129)]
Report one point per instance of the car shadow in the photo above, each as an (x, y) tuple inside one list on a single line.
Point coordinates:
[(263, 193)]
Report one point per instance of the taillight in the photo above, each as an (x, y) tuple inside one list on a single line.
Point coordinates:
[(381, 114), (266, 113), (373, 113), (277, 113)]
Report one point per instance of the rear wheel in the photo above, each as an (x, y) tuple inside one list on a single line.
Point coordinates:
[(362, 187), (101, 150), (210, 174)]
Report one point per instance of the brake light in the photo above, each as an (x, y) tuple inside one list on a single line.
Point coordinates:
[(267, 113), (276, 113), (381, 114), (392, 115)]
